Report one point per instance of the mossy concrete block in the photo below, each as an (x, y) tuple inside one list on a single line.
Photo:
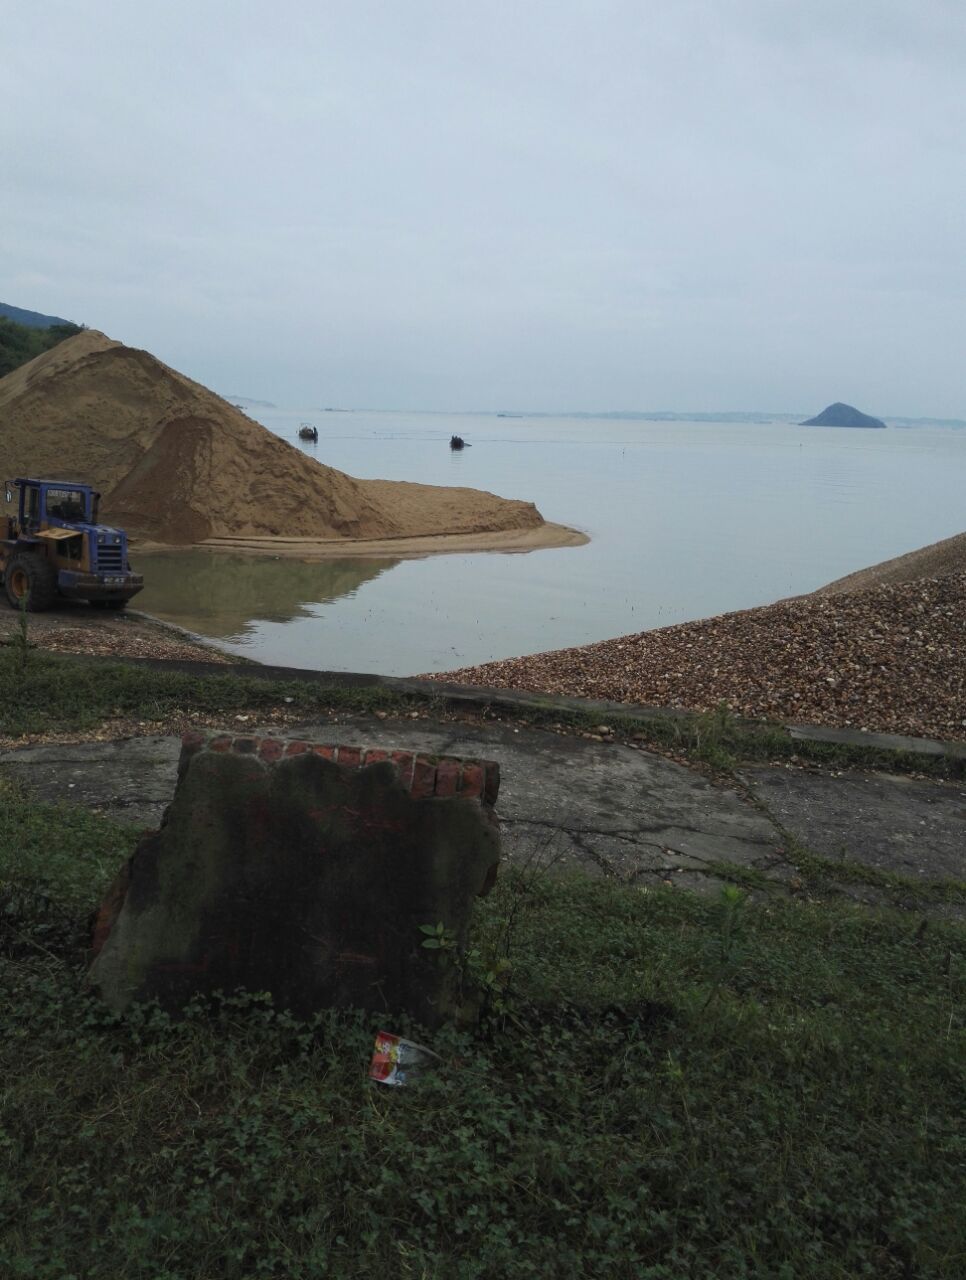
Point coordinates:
[(304, 877)]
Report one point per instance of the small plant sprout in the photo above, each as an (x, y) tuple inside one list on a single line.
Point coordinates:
[(23, 631), (436, 937), (729, 939)]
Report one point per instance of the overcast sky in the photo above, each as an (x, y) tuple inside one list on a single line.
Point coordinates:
[(637, 204)]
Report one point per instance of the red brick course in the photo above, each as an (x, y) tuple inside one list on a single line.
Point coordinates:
[(404, 761), (471, 782), (448, 777), (424, 777)]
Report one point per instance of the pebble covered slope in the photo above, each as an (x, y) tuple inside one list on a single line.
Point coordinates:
[(890, 658)]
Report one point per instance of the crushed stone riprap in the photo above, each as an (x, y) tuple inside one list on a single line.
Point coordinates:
[(891, 659), (934, 561)]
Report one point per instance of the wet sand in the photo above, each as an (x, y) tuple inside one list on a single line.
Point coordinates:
[(504, 540)]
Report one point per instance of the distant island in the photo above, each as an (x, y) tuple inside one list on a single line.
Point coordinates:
[(842, 415)]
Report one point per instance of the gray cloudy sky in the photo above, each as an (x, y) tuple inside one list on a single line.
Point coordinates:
[(685, 204)]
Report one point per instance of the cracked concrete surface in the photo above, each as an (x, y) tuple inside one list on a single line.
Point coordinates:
[(607, 808), (913, 827)]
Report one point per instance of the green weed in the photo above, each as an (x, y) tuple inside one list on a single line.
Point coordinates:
[(685, 1088), (22, 637), (57, 693)]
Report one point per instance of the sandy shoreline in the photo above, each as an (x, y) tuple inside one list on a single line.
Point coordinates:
[(504, 541)]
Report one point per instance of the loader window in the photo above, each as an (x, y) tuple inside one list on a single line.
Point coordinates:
[(31, 504), (66, 504), (71, 548)]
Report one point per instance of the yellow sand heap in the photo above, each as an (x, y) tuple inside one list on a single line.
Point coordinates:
[(177, 464)]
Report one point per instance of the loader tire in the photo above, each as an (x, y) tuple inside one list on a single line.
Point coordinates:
[(28, 575)]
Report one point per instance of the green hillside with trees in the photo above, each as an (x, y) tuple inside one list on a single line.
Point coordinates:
[(19, 343), (32, 319)]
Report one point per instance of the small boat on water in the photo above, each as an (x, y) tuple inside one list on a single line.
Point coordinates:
[(307, 431), (457, 442)]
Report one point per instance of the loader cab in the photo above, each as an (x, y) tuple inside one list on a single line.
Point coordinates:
[(52, 501)]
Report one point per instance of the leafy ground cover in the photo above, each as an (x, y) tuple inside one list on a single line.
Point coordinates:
[(669, 1087)]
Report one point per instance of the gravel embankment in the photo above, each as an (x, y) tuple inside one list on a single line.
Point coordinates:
[(891, 658), (935, 561)]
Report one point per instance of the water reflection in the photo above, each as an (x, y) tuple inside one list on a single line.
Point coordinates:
[(222, 595), (687, 519)]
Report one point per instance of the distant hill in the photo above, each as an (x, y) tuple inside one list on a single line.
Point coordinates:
[(243, 402), (32, 319), (20, 343), (842, 415)]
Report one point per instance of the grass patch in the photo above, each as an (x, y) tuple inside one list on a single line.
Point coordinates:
[(43, 692), (745, 877), (818, 872), (819, 876), (722, 741), (679, 1088), (56, 693)]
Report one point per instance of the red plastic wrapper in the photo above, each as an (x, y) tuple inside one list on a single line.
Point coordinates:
[(397, 1061)]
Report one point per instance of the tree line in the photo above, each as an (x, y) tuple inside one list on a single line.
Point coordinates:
[(18, 343)]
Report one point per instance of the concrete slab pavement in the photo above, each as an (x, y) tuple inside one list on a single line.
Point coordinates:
[(913, 827), (607, 808)]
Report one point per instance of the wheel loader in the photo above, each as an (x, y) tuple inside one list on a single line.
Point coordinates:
[(54, 546)]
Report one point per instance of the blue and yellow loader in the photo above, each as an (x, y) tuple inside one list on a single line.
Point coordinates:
[(54, 547)]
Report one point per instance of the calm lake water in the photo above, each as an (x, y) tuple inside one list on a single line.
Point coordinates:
[(686, 519)]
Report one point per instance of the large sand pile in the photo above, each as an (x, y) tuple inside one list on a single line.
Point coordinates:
[(177, 464)]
